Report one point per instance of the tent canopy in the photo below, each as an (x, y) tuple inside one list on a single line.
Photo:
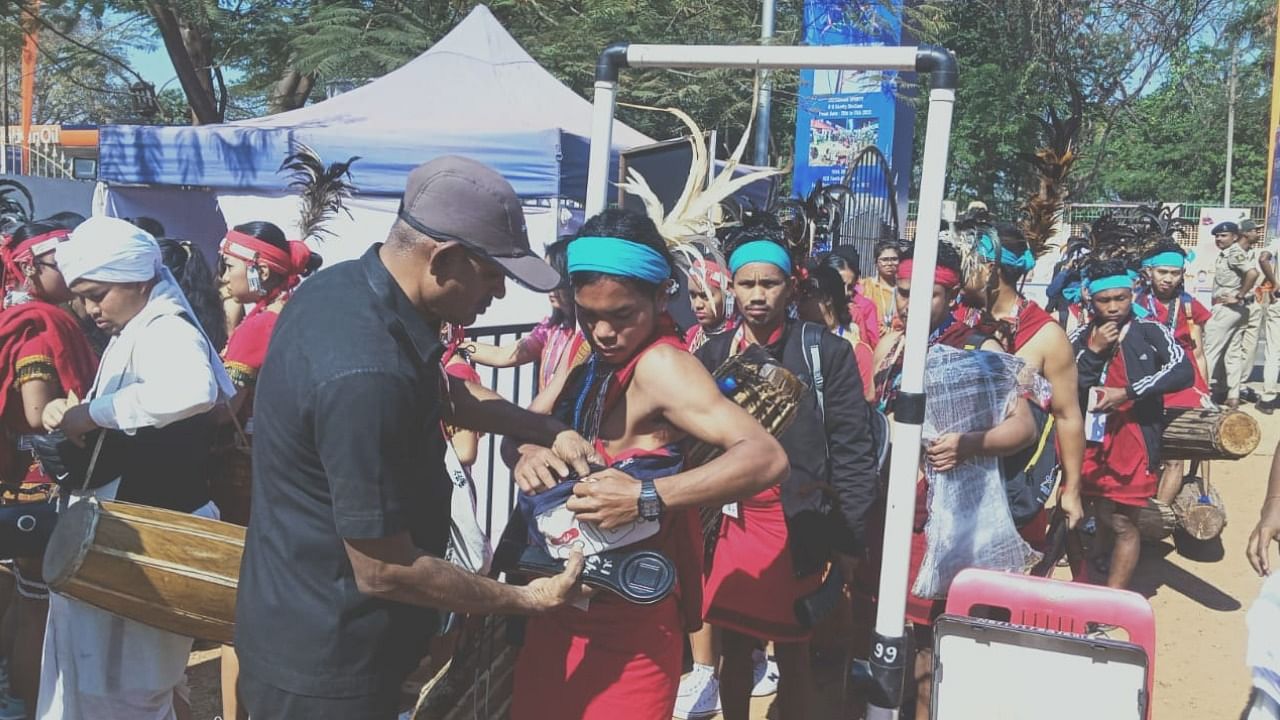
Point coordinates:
[(476, 93)]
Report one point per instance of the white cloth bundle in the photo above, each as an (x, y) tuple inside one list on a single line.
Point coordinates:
[(969, 521)]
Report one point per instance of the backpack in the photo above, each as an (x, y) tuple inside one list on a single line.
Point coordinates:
[(811, 336)]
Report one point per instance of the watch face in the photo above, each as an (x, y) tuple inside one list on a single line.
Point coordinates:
[(649, 508)]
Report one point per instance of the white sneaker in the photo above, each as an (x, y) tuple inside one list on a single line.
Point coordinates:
[(765, 674), (699, 695)]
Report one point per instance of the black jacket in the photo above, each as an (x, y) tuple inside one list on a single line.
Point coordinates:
[(839, 456), (1156, 365)]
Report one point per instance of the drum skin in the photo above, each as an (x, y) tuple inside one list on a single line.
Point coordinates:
[(170, 570)]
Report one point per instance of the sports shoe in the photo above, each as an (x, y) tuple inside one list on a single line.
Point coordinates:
[(765, 674), (699, 695), (1266, 407)]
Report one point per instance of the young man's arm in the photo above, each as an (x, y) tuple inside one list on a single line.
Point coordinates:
[(682, 392), (1268, 528), (476, 407), (849, 444), (1174, 372), (1064, 405)]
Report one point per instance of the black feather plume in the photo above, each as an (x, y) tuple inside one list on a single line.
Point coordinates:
[(324, 189)]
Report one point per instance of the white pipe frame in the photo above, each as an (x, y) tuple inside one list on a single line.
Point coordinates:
[(888, 652)]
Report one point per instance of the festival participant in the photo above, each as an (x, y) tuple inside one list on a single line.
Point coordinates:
[(343, 572), (710, 294), (260, 267), (1169, 304), (1234, 275), (879, 289), (1127, 366), (1030, 333), (44, 356), (823, 301), (555, 342), (638, 397), (1010, 436), (774, 545), (198, 285), (157, 382), (1269, 295), (844, 260)]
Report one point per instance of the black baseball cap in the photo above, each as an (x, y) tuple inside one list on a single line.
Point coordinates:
[(459, 199), (1225, 227)]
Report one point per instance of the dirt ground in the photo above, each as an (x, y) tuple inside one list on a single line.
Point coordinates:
[(1200, 596)]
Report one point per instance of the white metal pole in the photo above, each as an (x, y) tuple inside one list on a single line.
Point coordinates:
[(889, 648), (601, 146), (777, 57)]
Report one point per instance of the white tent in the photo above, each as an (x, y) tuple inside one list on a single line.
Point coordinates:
[(476, 92)]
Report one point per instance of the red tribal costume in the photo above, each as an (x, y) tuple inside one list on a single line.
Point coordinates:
[(616, 659), (1184, 311), (245, 353)]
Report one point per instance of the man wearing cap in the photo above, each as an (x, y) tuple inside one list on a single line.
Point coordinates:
[(1270, 324), (342, 576), (1226, 334)]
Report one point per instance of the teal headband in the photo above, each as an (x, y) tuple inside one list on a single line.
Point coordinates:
[(1113, 282), (1166, 259), (763, 251), (615, 256), (987, 246)]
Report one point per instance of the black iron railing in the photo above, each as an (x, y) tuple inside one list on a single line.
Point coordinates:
[(496, 494)]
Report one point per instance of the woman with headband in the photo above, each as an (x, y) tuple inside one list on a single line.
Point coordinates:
[(257, 266), (712, 301), (43, 355)]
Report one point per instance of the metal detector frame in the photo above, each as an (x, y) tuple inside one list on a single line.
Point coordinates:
[(888, 653)]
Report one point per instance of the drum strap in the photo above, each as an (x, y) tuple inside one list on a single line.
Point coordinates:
[(93, 460)]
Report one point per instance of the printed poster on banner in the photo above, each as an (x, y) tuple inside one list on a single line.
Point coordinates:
[(1199, 280), (842, 111)]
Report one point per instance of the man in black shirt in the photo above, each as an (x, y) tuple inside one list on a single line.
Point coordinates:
[(342, 575)]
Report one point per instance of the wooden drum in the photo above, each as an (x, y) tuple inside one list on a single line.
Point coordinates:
[(1217, 434), (171, 570)]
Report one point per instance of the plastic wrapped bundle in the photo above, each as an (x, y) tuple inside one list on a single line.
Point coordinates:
[(969, 522)]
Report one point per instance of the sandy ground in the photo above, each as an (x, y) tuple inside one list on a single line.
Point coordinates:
[(1200, 596)]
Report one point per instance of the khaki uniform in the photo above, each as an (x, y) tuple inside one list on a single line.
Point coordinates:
[(1271, 336), (1231, 335)]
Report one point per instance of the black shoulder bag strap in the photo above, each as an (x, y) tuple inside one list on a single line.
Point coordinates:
[(811, 336)]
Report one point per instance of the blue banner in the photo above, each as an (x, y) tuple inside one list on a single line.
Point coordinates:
[(842, 111)]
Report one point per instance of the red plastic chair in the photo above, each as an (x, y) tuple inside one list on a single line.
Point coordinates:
[(1058, 606)]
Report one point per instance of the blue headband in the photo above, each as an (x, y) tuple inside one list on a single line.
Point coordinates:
[(1113, 282), (1071, 293), (615, 256), (987, 249), (1166, 259), (760, 251)]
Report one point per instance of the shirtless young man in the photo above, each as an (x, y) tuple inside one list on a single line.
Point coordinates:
[(640, 394), (1036, 338)]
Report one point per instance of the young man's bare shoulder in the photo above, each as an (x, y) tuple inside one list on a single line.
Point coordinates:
[(1048, 341)]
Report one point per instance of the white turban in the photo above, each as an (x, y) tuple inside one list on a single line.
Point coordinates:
[(111, 250)]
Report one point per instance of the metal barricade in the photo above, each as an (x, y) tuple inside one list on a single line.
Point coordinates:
[(495, 492)]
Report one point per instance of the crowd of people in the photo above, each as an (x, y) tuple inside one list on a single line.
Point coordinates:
[(357, 398)]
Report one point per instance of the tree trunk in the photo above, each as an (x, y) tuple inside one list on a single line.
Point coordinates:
[(190, 49), (290, 92)]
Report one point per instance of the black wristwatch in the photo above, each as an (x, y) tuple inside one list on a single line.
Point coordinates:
[(649, 503)]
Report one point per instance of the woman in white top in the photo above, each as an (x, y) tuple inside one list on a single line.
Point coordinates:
[(158, 380)]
